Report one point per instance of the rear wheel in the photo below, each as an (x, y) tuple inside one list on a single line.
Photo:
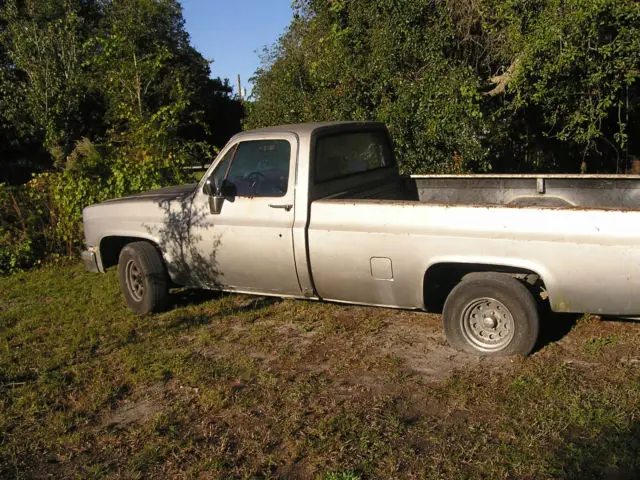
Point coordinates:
[(143, 277), (491, 314)]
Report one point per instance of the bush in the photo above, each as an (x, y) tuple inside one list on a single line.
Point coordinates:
[(43, 218), (16, 229), (475, 85)]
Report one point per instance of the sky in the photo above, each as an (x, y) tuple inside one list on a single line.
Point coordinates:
[(233, 33)]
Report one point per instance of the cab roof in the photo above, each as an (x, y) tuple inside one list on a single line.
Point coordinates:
[(306, 129)]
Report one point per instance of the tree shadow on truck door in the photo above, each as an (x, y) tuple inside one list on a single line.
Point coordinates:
[(191, 258)]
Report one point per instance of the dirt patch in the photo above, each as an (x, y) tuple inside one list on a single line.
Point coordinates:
[(418, 340), (351, 344), (139, 408), (131, 413)]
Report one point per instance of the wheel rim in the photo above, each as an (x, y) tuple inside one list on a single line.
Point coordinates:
[(487, 324), (135, 280)]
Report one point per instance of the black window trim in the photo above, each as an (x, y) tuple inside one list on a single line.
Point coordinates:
[(333, 133), (233, 150)]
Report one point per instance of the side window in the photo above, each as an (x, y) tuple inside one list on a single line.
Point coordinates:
[(260, 168), (351, 153)]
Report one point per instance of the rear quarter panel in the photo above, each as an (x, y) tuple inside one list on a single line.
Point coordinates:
[(588, 259)]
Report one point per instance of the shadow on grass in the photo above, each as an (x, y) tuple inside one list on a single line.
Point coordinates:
[(554, 327), (613, 455), (257, 303), (621, 319), (193, 296), (187, 297)]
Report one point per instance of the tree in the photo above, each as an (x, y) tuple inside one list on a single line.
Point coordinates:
[(112, 94), (43, 40), (114, 72), (377, 60), (574, 76), (507, 85)]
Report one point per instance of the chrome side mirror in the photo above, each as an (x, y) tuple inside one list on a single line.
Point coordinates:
[(215, 204), (216, 199)]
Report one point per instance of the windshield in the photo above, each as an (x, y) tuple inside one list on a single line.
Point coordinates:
[(351, 153)]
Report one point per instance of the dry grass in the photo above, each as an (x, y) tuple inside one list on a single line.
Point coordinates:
[(229, 386)]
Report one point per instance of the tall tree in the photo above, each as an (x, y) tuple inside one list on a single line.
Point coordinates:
[(466, 84), (43, 39), (569, 78), (120, 73), (377, 60), (161, 104)]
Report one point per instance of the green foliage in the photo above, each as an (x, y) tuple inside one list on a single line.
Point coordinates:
[(116, 97), (44, 217), (43, 40), (15, 244), (345, 475), (577, 71), (382, 61), (575, 82), (466, 85)]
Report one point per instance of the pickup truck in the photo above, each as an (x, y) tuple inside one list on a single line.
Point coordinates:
[(319, 211)]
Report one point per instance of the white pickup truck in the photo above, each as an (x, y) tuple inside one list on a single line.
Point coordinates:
[(319, 211)]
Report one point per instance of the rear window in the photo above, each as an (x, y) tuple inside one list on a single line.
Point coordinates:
[(346, 154)]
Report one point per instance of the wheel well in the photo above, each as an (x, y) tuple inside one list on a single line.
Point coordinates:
[(441, 278), (110, 248)]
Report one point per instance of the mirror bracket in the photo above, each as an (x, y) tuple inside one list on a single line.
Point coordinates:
[(215, 204)]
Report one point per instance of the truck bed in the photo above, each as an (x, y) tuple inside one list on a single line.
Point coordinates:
[(619, 192), (563, 229), (583, 191)]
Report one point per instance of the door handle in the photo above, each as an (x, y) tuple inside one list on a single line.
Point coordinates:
[(286, 207)]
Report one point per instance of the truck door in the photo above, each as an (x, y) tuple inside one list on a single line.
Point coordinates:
[(249, 244)]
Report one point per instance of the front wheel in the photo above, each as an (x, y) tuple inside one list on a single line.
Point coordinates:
[(491, 314), (143, 277)]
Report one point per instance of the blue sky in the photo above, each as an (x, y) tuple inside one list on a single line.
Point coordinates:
[(233, 33)]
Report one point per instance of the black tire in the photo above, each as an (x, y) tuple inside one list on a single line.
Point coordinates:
[(143, 277), (491, 314)]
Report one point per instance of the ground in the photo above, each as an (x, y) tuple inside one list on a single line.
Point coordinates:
[(232, 386)]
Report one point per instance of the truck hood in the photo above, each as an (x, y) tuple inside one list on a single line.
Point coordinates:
[(159, 195)]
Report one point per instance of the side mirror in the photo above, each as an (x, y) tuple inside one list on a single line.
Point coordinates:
[(216, 199), (215, 204), (208, 188), (214, 187)]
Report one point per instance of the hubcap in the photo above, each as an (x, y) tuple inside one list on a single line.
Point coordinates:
[(487, 324), (490, 322), (135, 280)]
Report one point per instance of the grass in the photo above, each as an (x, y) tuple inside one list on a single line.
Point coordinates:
[(227, 386)]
